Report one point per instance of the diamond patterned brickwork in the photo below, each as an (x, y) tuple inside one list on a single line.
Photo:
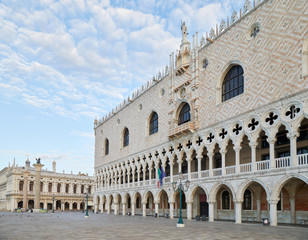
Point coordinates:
[(271, 61)]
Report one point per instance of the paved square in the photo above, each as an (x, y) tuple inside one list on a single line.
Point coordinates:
[(73, 225)]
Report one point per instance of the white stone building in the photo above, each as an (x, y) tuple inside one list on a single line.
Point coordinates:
[(230, 112), (68, 190)]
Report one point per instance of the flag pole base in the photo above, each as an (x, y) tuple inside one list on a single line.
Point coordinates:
[(180, 225)]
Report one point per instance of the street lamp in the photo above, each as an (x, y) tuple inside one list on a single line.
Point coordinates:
[(181, 188), (87, 195), (53, 203)]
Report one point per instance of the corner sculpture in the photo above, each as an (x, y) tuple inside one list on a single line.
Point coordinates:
[(38, 160)]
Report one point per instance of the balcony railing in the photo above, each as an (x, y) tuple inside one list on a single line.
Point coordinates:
[(245, 167), (282, 162), (263, 165), (205, 173), (230, 170), (217, 172), (302, 159)]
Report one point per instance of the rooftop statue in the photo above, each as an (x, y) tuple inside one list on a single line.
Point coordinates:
[(38, 160), (184, 30)]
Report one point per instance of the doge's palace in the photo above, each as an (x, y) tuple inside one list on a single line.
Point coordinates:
[(230, 112)]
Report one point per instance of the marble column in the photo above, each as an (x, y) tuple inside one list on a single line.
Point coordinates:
[(253, 146), (273, 213), (25, 189), (189, 210), (272, 154), (38, 168), (199, 167), (210, 164), (258, 210), (171, 172), (171, 204), (237, 150), (223, 162), (211, 211), (238, 212), (293, 149), (133, 208), (189, 168), (292, 206), (123, 209), (156, 208), (144, 209)]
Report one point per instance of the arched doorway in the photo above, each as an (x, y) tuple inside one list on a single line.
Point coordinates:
[(177, 205), (31, 204), (41, 205), (66, 206), (200, 206), (149, 206), (58, 205), (74, 206), (163, 203), (82, 207), (136, 204), (20, 204), (49, 206), (224, 204)]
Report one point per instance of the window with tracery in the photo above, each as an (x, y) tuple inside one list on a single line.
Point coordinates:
[(247, 200), (225, 200), (233, 84), (126, 138), (153, 124), (106, 147), (184, 115)]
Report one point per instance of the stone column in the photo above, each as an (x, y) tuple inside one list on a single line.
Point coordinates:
[(180, 166), (237, 150), (171, 204), (253, 146), (156, 208), (238, 212), (123, 209), (101, 206), (108, 207), (171, 172), (211, 211), (189, 210), (116, 207), (272, 154), (37, 196), (25, 189), (223, 162), (292, 206), (293, 149), (199, 166), (133, 208), (62, 206), (138, 176), (273, 213), (189, 168), (128, 178), (144, 170), (210, 164), (133, 175), (144, 209), (258, 210), (150, 174)]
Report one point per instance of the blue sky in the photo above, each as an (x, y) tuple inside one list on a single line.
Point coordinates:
[(63, 63)]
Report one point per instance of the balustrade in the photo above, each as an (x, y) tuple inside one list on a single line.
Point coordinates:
[(204, 173), (302, 159), (230, 170), (245, 167), (282, 162), (263, 165), (217, 172), (194, 175)]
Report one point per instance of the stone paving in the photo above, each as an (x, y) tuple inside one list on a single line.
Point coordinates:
[(73, 225)]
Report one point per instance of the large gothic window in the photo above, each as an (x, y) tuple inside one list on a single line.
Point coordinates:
[(59, 187), (106, 147), (233, 83), (225, 199), (21, 185), (154, 123), (126, 138), (184, 115)]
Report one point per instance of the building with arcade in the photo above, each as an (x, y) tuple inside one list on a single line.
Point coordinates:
[(229, 111)]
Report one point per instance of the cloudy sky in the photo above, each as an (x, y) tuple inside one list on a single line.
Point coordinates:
[(65, 62)]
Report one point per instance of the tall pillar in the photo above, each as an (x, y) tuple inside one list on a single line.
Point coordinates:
[(156, 208), (238, 212), (189, 210), (210, 164), (293, 149), (138, 176), (237, 150), (123, 209), (150, 173), (101, 206), (171, 204), (144, 209), (273, 213), (108, 207), (116, 208), (292, 206), (38, 166), (258, 210), (133, 175), (189, 168), (144, 170), (25, 189), (133, 208), (171, 172), (253, 146), (180, 166), (272, 154), (211, 211), (199, 167), (223, 162), (128, 178)]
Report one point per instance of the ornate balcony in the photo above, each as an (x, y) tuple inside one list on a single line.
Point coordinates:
[(183, 129)]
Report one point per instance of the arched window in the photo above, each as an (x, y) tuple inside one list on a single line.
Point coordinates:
[(75, 188), (31, 186), (225, 200), (247, 200), (184, 115), (82, 189), (126, 138), (154, 123), (89, 190), (233, 83), (106, 147), (66, 188), (41, 187), (21, 185)]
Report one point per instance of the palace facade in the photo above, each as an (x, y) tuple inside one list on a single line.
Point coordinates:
[(230, 112), (68, 190)]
